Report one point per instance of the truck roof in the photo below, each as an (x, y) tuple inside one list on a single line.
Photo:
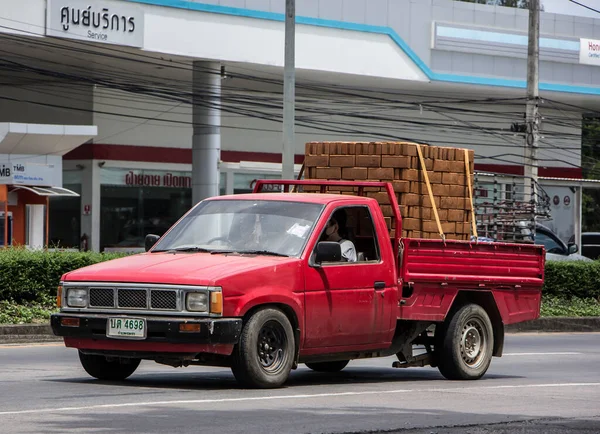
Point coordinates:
[(318, 198)]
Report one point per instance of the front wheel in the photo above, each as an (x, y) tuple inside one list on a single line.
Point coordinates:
[(328, 366), (264, 355), (104, 369), (465, 345)]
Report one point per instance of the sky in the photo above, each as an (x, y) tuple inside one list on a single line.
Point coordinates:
[(568, 8)]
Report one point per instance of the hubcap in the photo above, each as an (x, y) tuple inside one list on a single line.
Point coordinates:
[(473, 347), (272, 344)]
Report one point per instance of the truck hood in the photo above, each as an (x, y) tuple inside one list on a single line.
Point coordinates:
[(177, 268)]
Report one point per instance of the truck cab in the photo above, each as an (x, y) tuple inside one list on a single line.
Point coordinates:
[(254, 282)]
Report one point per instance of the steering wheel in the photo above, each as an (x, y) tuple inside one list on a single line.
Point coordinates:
[(212, 240)]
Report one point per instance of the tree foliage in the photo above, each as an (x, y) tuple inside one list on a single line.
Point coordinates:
[(33, 276)]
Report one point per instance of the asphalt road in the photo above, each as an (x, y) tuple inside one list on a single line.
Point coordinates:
[(543, 384)]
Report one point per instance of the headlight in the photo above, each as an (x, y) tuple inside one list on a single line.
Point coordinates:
[(196, 302), (77, 298)]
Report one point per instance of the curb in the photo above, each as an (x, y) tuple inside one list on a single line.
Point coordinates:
[(557, 325), (36, 333), (27, 333)]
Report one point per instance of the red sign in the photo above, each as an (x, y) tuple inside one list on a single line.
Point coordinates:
[(87, 209), (155, 180)]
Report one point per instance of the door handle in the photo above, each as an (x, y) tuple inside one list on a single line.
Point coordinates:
[(379, 285)]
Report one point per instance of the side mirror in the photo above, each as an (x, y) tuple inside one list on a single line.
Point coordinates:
[(573, 248), (150, 241), (328, 251)]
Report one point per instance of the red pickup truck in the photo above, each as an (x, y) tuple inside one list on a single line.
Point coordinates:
[(248, 282)]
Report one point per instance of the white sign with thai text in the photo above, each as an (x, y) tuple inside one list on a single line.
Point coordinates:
[(108, 22), (589, 51)]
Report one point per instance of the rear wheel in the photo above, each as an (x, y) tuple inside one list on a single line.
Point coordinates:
[(328, 366), (108, 369), (464, 346), (265, 354)]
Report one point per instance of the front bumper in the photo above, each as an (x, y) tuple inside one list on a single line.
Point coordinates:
[(213, 331)]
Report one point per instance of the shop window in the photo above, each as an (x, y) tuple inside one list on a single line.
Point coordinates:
[(135, 203), (128, 214), (222, 183), (65, 219)]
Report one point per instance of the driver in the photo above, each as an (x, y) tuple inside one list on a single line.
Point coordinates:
[(336, 227)]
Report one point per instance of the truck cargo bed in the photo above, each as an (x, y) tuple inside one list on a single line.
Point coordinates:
[(433, 272), (467, 262)]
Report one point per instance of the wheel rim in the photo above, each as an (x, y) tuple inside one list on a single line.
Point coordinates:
[(473, 345), (272, 345)]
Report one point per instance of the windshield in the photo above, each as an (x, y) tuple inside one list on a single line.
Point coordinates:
[(551, 245), (260, 226)]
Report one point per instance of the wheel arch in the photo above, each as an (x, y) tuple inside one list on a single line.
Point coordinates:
[(486, 300), (288, 310), (291, 315)]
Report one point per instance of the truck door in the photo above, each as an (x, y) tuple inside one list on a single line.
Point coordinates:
[(343, 300)]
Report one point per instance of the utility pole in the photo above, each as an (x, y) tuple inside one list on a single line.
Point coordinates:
[(532, 118), (289, 90)]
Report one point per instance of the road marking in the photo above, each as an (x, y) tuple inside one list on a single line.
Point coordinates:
[(290, 397), (543, 354)]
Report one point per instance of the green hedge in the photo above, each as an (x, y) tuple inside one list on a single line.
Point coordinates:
[(32, 276), (27, 276), (572, 279)]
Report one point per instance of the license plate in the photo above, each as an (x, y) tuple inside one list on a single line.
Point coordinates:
[(126, 328)]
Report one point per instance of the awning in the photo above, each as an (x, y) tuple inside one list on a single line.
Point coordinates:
[(48, 191), (43, 139)]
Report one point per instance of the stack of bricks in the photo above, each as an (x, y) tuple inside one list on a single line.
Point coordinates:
[(399, 163)]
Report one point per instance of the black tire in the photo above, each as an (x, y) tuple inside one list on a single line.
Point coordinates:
[(264, 356), (336, 366), (465, 344), (112, 370)]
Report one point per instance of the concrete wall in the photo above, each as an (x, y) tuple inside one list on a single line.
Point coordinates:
[(134, 119), (508, 60), (413, 21), (55, 103)]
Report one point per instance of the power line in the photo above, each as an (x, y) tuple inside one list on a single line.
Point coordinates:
[(587, 7)]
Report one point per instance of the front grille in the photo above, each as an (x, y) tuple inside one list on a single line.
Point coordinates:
[(133, 298), (163, 300), (102, 297)]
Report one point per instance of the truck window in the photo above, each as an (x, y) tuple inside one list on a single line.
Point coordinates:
[(356, 226), (279, 227), (551, 245)]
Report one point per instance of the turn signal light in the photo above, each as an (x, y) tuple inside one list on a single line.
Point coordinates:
[(216, 302), (69, 322), (189, 327), (59, 296)]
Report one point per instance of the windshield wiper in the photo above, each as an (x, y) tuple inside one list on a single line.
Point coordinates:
[(185, 249), (247, 252), (261, 252)]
